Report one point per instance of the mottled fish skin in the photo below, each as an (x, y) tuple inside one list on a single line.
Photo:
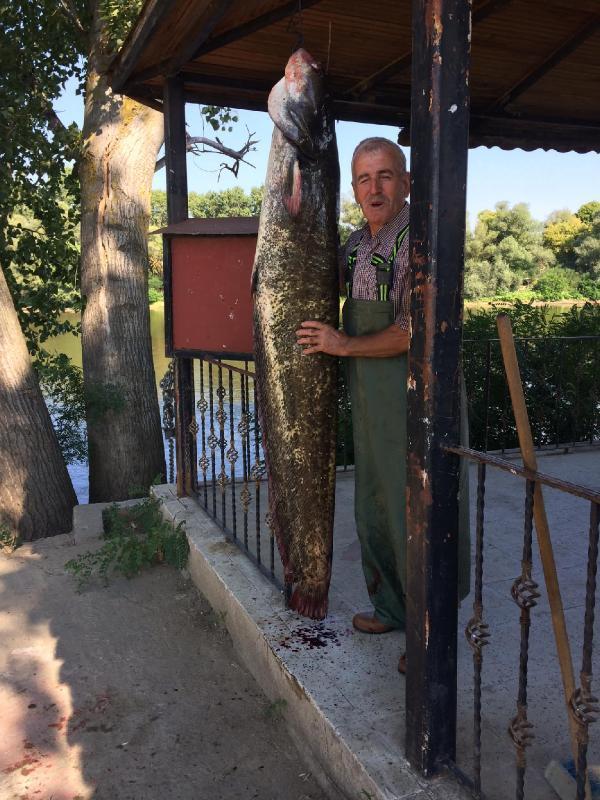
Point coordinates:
[(295, 279)]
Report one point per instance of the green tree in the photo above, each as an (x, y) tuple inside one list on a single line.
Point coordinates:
[(587, 249), (557, 283), (351, 218), (114, 161), (560, 231), (226, 203), (588, 211), (505, 252), (38, 263)]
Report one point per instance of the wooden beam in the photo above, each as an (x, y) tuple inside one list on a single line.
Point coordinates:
[(153, 13), (483, 10), (439, 140), (177, 210), (559, 53), (252, 26), (199, 27)]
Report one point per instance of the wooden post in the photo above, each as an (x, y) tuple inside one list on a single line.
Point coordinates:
[(439, 142), (177, 211)]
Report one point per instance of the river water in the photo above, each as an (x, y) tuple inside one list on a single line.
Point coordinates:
[(71, 346)]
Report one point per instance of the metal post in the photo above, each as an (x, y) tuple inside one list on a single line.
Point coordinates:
[(439, 142), (177, 211)]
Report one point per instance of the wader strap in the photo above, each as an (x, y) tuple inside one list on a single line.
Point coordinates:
[(384, 268)]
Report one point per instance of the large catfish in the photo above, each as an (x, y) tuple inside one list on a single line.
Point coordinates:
[(296, 278)]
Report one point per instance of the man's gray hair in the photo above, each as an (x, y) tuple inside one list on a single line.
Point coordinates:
[(374, 143)]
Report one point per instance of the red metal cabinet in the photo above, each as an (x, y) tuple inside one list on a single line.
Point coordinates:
[(207, 270)]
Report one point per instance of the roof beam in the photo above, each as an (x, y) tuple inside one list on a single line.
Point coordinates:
[(483, 10), (201, 25), (252, 26), (200, 29), (153, 13), (555, 57)]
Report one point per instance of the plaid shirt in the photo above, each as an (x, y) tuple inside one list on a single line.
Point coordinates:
[(364, 282)]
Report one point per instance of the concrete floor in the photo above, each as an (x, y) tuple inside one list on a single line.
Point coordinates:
[(351, 678)]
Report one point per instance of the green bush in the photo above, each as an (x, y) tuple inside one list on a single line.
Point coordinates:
[(560, 376), (557, 284), (155, 289), (134, 537)]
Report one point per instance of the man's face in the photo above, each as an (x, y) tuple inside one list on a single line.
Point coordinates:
[(380, 186)]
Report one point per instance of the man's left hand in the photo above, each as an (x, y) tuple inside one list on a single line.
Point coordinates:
[(318, 337)]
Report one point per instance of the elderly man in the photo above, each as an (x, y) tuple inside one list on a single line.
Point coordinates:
[(374, 343)]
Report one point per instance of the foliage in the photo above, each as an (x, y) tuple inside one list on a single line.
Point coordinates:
[(588, 211), (39, 196), (559, 376), (228, 203), (505, 252), (587, 248), (62, 386), (9, 540), (42, 45), (155, 288), (134, 538), (560, 230), (351, 218), (557, 284)]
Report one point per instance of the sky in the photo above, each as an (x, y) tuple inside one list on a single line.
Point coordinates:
[(546, 181)]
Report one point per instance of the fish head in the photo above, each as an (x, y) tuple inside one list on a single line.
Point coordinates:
[(297, 105)]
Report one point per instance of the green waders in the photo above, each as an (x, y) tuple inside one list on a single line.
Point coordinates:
[(378, 396)]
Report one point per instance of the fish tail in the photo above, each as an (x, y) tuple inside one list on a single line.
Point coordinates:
[(310, 601)]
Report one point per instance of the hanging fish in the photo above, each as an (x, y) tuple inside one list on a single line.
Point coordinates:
[(295, 278)]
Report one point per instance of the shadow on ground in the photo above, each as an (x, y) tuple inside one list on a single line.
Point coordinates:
[(129, 691)]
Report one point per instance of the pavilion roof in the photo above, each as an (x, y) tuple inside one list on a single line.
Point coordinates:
[(535, 64)]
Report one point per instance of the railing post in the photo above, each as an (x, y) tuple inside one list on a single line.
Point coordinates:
[(177, 211), (439, 141)]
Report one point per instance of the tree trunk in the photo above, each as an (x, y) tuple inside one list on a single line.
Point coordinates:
[(121, 142), (36, 494)]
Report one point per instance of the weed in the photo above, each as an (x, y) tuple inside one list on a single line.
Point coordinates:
[(274, 711), (134, 538), (9, 540)]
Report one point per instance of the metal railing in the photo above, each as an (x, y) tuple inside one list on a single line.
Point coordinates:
[(581, 705), (561, 381), (230, 470)]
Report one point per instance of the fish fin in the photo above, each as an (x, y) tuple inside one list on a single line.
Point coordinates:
[(253, 279), (310, 602), (293, 202)]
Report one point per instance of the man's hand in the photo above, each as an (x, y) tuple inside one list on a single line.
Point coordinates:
[(318, 337)]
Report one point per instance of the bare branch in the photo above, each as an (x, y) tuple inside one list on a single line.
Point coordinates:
[(201, 144)]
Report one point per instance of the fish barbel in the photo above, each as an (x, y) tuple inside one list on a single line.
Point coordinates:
[(295, 278)]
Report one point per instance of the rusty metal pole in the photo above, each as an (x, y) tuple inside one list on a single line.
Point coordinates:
[(439, 144), (177, 211)]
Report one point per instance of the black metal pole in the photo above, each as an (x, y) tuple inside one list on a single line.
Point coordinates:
[(177, 211), (439, 142)]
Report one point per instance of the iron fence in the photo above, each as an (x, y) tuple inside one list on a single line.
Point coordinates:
[(561, 381), (230, 470), (581, 705)]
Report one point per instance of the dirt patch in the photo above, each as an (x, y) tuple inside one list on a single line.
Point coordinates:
[(132, 691)]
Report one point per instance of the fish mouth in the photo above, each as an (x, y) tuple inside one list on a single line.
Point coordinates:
[(296, 103)]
